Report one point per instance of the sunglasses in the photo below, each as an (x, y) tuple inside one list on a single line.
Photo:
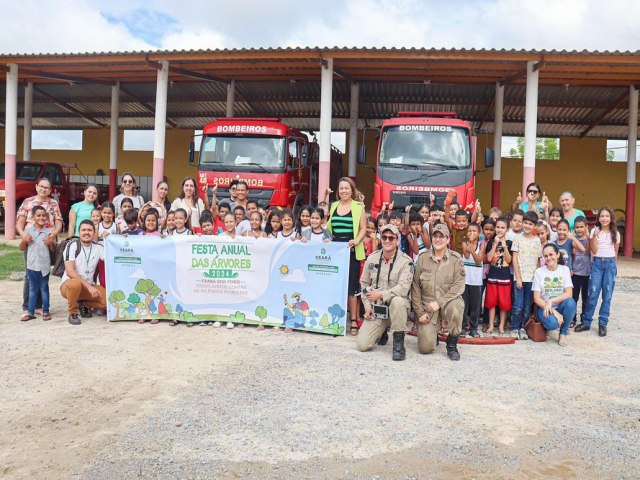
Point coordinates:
[(127, 181), (387, 238), (533, 191)]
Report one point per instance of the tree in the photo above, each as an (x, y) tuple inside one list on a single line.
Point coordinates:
[(324, 320), (115, 298), (546, 149), (237, 317), (261, 313), (149, 289), (336, 312), (134, 301), (611, 155)]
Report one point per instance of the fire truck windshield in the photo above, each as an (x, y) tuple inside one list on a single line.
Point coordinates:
[(425, 146), (243, 151)]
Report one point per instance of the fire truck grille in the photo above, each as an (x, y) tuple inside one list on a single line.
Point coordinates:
[(402, 199)]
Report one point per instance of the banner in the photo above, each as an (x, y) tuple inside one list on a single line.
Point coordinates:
[(215, 278)]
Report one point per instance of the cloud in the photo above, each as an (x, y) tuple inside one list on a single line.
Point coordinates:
[(296, 276), (139, 273)]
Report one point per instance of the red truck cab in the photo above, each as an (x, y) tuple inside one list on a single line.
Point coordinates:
[(424, 153)]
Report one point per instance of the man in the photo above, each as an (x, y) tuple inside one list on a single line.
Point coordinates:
[(80, 262), (387, 279), (436, 293), (241, 195), (25, 219)]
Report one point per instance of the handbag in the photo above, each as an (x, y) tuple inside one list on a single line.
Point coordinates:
[(535, 329)]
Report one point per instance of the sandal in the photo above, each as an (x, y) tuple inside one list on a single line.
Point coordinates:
[(141, 321), (154, 321), (173, 323), (288, 330), (354, 328), (26, 317), (46, 316), (190, 324)]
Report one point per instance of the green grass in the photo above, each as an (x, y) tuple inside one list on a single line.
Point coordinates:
[(11, 260)]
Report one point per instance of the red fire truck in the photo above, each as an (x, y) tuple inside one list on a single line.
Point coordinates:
[(424, 153), (278, 163)]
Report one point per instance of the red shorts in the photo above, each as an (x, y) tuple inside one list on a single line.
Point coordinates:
[(498, 295)]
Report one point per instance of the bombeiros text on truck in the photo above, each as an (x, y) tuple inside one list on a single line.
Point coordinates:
[(422, 154), (278, 163)]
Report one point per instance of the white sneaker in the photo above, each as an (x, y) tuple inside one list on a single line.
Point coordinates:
[(523, 334), (514, 334), (217, 324), (230, 325)]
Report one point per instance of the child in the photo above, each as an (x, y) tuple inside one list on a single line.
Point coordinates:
[(458, 230), (230, 225), (219, 212), (488, 232), (38, 246), (517, 217), (555, 215), (255, 221), (604, 243), (304, 220), (495, 213), (499, 277), (543, 234), (325, 208), (180, 220), (581, 265), (418, 237), (107, 226), (424, 211), (206, 223), (472, 257), (130, 217), (150, 223), (242, 224), (126, 204), (370, 240), (286, 217), (170, 224), (316, 232), (567, 243), (96, 217), (273, 225), (395, 218), (527, 252)]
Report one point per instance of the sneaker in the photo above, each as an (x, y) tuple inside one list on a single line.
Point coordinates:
[(474, 333), (602, 331), (74, 319), (522, 333), (514, 334), (84, 311), (230, 325), (217, 324), (581, 327)]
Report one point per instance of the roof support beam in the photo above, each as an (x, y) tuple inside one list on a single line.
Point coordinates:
[(69, 108), (144, 104), (64, 78), (200, 76), (513, 78), (621, 99)]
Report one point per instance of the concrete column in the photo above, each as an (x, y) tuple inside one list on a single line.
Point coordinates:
[(28, 121), (160, 122), (497, 145), (353, 129), (630, 211), (326, 102), (113, 145), (10, 151), (530, 127), (231, 98)]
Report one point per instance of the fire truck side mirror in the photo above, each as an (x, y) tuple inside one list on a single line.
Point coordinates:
[(488, 158), (362, 155), (305, 155), (192, 151)]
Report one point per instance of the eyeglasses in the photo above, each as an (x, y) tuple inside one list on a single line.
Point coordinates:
[(387, 238), (44, 187), (127, 181), (533, 191)]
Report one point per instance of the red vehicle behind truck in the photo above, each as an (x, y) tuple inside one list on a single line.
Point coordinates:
[(278, 163), (424, 153), (63, 190)]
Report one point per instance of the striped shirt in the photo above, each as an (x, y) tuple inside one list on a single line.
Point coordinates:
[(473, 271), (342, 227)]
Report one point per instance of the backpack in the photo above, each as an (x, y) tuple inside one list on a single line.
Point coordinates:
[(62, 255)]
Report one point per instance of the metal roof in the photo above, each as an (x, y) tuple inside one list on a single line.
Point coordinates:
[(580, 93)]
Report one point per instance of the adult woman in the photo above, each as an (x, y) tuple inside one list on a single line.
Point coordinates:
[(567, 200), (553, 293), (25, 219), (127, 190), (533, 203), (190, 201), (347, 223), (605, 243), (162, 191), (82, 210)]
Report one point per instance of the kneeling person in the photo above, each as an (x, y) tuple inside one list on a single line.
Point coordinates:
[(80, 262), (387, 279), (436, 293)]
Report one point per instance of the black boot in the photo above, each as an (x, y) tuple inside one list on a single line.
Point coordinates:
[(452, 348), (384, 338), (398, 346)]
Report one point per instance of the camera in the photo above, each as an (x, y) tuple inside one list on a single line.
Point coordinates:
[(380, 311), (364, 291)]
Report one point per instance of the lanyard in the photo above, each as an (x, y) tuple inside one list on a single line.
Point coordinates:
[(86, 258), (393, 260)]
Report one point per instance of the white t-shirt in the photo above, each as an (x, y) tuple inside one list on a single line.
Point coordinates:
[(606, 249), (194, 212), (551, 284), (86, 259), (529, 253), (242, 227)]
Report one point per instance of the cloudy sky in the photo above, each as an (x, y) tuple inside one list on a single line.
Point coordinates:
[(55, 26)]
